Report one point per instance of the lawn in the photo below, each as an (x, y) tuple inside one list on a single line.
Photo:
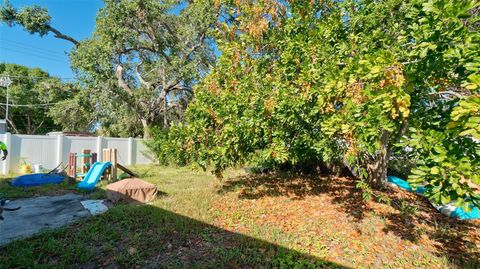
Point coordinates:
[(248, 221)]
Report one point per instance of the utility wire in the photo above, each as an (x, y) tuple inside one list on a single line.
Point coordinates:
[(30, 48), (32, 105), (34, 77), (27, 44), (36, 55)]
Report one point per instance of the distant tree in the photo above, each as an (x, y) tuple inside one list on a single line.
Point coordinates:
[(33, 95), (146, 53)]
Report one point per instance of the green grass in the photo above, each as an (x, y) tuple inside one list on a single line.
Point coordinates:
[(200, 222), (172, 232)]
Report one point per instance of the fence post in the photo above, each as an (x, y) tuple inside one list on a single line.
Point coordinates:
[(6, 164), (59, 148), (99, 149), (130, 151)]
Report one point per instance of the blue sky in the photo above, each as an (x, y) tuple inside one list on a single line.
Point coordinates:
[(72, 17)]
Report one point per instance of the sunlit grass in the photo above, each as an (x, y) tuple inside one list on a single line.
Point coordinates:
[(197, 222)]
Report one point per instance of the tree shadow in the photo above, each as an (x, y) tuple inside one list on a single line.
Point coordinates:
[(409, 216), (342, 189), (146, 236), (416, 219)]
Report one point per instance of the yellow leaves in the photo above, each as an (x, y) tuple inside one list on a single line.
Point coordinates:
[(354, 91), (306, 90), (403, 106), (189, 144), (213, 87), (397, 105), (236, 56), (216, 4), (352, 149), (257, 26), (269, 104), (393, 76), (213, 115)]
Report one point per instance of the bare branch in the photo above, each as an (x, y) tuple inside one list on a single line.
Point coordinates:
[(196, 46), (121, 82), (456, 94), (146, 84), (60, 35)]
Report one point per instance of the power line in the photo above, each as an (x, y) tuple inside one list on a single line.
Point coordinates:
[(29, 45), (36, 55), (31, 105), (34, 77), (30, 48)]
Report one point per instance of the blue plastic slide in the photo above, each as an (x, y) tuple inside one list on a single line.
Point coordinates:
[(93, 175), (37, 179)]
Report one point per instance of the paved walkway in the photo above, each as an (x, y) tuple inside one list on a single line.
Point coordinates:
[(40, 213)]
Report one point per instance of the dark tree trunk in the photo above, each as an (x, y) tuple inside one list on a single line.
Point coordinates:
[(377, 166)]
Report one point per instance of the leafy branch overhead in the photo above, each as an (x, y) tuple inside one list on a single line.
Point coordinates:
[(34, 19), (141, 52)]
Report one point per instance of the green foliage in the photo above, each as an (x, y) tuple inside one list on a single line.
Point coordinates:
[(75, 113), (34, 19), (139, 66), (146, 58), (35, 98), (342, 82)]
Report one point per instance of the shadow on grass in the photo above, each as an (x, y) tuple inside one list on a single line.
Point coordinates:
[(450, 235), (149, 237), (295, 187)]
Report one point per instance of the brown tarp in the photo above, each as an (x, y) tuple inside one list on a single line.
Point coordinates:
[(131, 190)]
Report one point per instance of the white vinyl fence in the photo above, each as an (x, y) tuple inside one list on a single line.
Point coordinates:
[(51, 150)]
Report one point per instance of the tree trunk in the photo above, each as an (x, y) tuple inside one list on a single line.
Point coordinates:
[(165, 103), (377, 167), (146, 128), (165, 113)]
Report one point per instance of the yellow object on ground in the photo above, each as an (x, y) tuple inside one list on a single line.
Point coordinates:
[(25, 169)]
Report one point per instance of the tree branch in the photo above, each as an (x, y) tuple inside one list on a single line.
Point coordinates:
[(59, 35), (196, 46), (449, 92), (121, 82), (146, 84)]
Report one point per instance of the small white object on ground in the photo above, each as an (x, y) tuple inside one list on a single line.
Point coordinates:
[(95, 207), (446, 210), (37, 168)]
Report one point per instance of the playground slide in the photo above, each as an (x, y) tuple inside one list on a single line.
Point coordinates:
[(93, 175)]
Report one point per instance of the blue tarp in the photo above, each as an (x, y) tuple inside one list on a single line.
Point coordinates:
[(445, 209), (37, 179)]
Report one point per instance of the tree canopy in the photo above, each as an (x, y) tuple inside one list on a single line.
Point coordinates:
[(145, 54), (34, 97), (354, 83)]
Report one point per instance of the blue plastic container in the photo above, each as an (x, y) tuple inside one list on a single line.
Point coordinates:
[(31, 180)]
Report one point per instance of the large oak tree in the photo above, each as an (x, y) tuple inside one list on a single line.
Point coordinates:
[(146, 53)]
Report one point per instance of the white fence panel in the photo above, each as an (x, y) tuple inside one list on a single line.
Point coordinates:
[(143, 155), (76, 144), (49, 151), (32, 149), (121, 144)]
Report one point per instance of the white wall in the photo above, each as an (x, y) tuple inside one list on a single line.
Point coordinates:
[(49, 151)]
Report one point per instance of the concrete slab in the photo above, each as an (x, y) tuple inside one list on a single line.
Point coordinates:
[(40, 213)]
